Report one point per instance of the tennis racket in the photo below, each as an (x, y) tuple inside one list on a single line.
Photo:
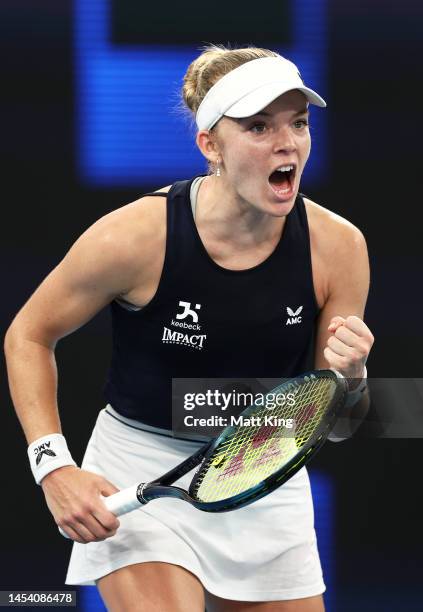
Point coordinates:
[(249, 460)]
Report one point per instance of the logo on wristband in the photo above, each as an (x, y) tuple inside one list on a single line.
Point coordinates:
[(42, 450)]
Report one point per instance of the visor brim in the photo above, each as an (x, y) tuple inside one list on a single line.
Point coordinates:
[(257, 100)]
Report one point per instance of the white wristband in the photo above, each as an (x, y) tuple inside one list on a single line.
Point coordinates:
[(47, 454), (354, 396)]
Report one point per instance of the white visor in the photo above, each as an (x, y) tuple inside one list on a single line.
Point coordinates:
[(248, 89)]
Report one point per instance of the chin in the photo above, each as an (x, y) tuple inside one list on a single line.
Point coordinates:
[(280, 210)]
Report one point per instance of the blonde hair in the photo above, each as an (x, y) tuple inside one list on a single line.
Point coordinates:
[(214, 62)]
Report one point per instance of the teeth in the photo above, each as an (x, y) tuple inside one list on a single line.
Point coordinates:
[(285, 168)]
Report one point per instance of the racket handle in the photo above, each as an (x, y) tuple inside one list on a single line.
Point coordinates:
[(123, 502), (119, 503)]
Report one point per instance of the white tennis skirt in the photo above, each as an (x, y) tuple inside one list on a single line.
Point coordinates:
[(266, 551)]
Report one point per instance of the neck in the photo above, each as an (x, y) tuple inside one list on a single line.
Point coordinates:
[(227, 216)]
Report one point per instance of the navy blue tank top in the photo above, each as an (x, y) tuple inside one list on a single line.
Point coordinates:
[(206, 321)]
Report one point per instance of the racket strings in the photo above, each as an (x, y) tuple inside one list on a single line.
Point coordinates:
[(253, 452)]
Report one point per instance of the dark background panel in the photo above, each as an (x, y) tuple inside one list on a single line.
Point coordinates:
[(136, 23), (374, 93)]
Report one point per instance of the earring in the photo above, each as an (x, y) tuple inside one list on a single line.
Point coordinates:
[(217, 168)]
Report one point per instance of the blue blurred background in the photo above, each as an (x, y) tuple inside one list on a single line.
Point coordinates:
[(91, 120)]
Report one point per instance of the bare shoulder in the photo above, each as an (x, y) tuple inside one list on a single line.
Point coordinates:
[(141, 217), (339, 254), (330, 232), (133, 229), (123, 248)]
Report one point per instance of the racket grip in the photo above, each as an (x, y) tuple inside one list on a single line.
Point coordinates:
[(119, 503), (123, 502)]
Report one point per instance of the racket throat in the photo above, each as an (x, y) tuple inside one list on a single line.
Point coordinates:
[(186, 466)]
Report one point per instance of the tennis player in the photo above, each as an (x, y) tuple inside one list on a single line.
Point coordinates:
[(229, 274)]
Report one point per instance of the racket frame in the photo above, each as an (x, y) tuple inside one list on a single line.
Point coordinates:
[(133, 497), (162, 487)]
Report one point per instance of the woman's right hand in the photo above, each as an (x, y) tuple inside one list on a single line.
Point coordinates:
[(74, 499)]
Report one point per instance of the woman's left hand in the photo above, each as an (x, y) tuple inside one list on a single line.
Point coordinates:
[(348, 346)]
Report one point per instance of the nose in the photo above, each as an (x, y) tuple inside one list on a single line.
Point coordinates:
[(285, 141)]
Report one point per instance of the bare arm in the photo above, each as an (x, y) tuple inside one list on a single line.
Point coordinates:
[(99, 266), (93, 272), (343, 340)]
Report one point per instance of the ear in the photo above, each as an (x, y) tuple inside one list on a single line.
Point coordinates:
[(208, 145)]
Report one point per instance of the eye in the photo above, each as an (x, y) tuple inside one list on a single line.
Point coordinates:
[(258, 128), (301, 123)]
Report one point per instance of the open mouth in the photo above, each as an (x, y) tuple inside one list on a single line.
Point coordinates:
[(282, 179)]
